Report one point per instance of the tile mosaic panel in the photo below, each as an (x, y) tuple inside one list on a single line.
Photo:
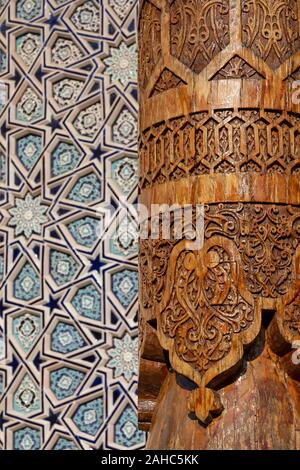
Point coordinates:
[(68, 308)]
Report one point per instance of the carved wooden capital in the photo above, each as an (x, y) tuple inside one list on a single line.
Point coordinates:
[(220, 126)]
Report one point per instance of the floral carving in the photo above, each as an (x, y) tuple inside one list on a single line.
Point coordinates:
[(67, 91), (65, 52), (89, 120), (292, 318), (30, 107), (205, 311), (199, 30), (86, 17), (28, 46), (206, 308), (153, 259), (121, 7), (270, 28), (209, 299), (266, 236), (288, 311)]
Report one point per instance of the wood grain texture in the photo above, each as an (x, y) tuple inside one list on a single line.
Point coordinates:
[(152, 375), (261, 412), (220, 126)]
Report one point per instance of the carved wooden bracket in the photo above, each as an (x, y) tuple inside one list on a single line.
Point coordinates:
[(220, 126)]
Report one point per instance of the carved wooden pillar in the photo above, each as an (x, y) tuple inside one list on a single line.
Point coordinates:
[(220, 126)]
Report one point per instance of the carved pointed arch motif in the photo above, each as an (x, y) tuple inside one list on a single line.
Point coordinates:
[(237, 67), (166, 81), (226, 135)]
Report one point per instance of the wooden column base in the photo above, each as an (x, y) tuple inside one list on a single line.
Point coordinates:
[(261, 412)]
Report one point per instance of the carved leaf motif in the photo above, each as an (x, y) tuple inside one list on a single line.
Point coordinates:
[(270, 29), (199, 30)]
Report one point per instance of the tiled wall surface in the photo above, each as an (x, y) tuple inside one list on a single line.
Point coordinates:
[(68, 326)]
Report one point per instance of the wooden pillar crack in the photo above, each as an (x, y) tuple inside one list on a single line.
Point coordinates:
[(220, 127)]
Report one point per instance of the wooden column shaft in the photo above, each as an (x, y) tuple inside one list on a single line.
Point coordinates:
[(220, 129)]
